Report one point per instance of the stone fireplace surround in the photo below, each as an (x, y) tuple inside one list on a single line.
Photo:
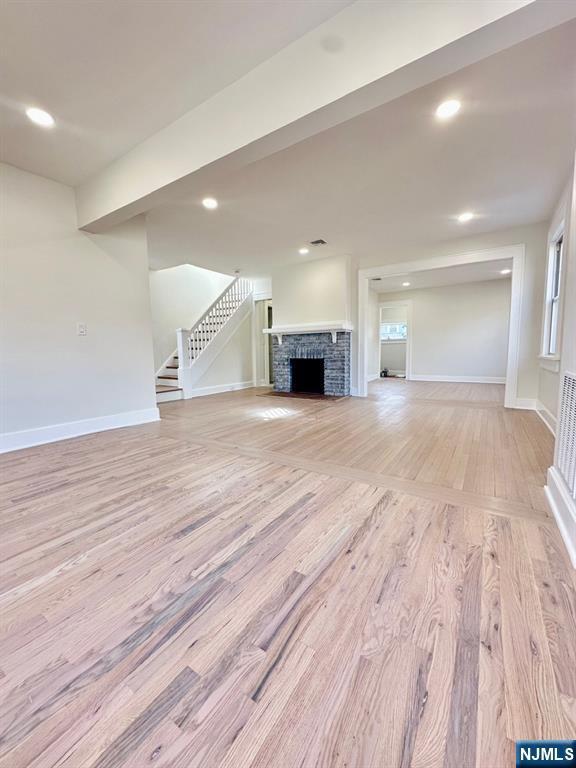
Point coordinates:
[(332, 345)]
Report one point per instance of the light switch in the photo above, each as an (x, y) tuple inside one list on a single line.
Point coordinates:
[(82, 329)]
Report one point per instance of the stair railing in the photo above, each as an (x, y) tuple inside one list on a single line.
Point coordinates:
[(191, 343)]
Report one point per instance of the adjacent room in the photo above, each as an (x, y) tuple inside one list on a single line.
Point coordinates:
[(450, 324), (287, 383)]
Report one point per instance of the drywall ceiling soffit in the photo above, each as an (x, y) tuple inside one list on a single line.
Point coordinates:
[(306, 88), (389, 184), (114, 73)]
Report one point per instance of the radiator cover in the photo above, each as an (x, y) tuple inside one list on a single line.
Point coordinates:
[(566, 440)]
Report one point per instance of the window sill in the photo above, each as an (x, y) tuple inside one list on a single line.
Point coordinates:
[(550, 363), (402, 341)]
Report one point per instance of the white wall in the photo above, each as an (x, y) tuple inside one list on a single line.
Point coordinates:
[(549, 380), (53, 277), (373, 335), (233, 366), (568, 353), (548, 384), (179, 297), (262, 287), (533, 237), (459, 330), (397, 314), (313, 292), (559, 496)]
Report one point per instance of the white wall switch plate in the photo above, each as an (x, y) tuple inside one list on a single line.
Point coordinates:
[(82, 329)]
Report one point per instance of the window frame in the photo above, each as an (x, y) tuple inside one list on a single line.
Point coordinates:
[(393, 322), (552, 316)]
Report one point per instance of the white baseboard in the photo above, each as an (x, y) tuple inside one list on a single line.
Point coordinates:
[(391, 372), (563, 508), (15, 441), (547, 417), (169, 397), (219, 388), (525, 403), (459, 379), (373, 376)]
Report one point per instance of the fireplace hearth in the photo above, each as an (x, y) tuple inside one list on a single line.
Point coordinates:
[(307, 375)]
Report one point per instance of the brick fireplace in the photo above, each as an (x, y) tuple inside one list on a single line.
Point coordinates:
[(329, 375)]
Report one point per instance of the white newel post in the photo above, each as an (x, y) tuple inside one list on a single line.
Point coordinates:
[(183, 353)]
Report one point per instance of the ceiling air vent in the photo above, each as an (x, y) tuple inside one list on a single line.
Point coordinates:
[(318, 242)]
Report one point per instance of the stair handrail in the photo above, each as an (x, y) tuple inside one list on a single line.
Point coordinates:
[(229, 289), (216, 301), (239, 289)]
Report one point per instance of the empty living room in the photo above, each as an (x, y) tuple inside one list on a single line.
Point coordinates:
[(287, 383)]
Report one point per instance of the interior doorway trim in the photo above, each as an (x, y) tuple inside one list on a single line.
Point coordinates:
[(392, 305), (515, 252)]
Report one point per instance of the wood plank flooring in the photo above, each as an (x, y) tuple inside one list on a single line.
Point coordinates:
[(255, 582)]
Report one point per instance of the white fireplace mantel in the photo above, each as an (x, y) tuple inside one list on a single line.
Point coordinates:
[(284, 330)]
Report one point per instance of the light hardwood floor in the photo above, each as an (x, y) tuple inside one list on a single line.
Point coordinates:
[(272, 582)]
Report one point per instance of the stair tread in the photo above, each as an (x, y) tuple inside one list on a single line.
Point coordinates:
[(161, 388), (168, 376), (172, 366)]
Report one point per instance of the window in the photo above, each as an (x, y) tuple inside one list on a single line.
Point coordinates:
[(393, 332), (553, 289)]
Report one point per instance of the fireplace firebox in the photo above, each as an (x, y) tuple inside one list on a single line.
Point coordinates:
[(326, 352), (307, 375)]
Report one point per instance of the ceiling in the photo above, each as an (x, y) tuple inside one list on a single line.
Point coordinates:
[(113, 73), (433, 278), (396, 177)]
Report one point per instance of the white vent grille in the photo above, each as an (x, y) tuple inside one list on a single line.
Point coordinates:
[(566, 446)]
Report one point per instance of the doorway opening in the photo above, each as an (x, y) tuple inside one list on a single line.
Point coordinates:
[(394, 339), (472, 344)]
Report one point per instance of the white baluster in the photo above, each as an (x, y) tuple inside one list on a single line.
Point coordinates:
[(193, 342)]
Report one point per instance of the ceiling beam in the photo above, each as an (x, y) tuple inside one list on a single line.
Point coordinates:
[(366, 55)]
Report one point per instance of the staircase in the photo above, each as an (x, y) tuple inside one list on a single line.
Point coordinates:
[(198, 347)]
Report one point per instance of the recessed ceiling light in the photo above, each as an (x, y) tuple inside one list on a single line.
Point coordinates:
[(210, 203), (405, 285), (505, 271), (466, 216), (40, 117), (448, 109), (303, 251)]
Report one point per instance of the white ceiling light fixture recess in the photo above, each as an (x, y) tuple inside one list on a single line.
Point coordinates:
[(466, 216), (210, 203), (448, 109), (405, 285), (303, 251), (505, 271), (40, 117)]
